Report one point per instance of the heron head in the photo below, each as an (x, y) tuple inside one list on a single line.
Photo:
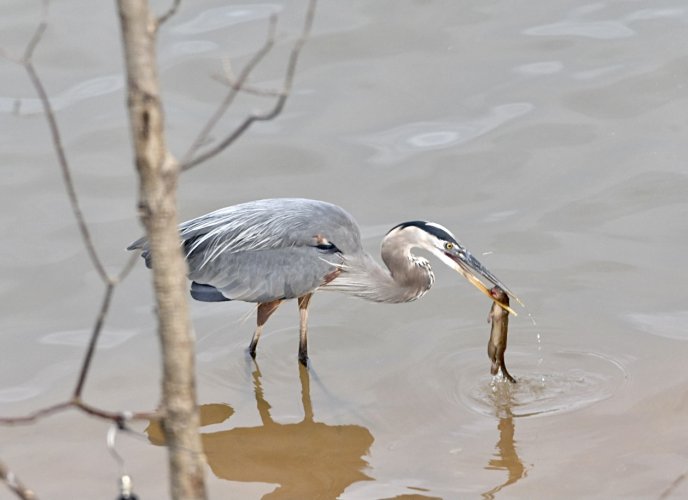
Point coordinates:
[(439, 241)]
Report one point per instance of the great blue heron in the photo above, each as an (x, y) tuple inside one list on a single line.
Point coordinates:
[(268, 251)]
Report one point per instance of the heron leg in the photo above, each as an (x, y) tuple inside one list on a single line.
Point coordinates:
[(303, 328), (265, 309)]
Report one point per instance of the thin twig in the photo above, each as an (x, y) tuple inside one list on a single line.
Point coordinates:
[(110, 281), (78, 404), (37, 35), (15, 484), (231, 95), (128, 266), (97, 328), (670, 490), (170, 12), (230, 81), (100, 321), (118, 417), (27, 62), (36, 415), (190, 162)]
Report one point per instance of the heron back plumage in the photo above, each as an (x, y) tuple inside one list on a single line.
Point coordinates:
[(266, 249)]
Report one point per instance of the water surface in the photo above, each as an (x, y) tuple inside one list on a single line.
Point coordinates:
[(548, 136)]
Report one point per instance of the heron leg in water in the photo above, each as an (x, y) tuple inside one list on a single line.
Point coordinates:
[(265, 309), (303, 328)]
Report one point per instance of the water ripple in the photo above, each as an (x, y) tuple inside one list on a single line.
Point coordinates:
[(671, 325), (565, 381), (192, 47), (407, 140), (42, 382), (108, 338), (94, 87), (602, 30), (540, 68), (221, 17)]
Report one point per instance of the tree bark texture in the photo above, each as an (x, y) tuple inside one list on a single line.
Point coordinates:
[(158, 174)]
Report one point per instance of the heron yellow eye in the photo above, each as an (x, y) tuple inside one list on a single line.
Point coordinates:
[(448, 246)]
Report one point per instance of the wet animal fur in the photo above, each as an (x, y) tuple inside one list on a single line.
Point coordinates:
[(496, 347)]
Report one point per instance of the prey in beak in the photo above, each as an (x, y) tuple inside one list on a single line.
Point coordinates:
[(438, 240), (461, 260)]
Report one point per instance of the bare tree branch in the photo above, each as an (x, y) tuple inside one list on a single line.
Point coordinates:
[(171, 12), (37, 35), (77, 404), (128, 266), (36, 415), (675, 484), (110, 281), (190, 162), (100, 321), (15, 484), (119, 417), (97, 328), (27, 62), (229, 98), (159, 209), (231, 81), (158, 175)]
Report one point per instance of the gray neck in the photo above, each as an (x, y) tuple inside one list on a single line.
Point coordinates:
[(406, 278)]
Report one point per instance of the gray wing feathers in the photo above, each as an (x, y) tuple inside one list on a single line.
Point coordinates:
[(264, 224), (265, 250), (265, 275)]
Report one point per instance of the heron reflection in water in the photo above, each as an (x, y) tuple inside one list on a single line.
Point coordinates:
[(268, 251), (307, 459)]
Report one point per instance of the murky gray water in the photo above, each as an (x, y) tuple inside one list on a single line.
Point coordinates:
[(548, 136)]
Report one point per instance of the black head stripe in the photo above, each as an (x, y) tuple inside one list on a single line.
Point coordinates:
[(428, 228)]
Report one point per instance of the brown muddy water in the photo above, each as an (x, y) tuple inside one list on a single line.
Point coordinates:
[(549, 136)]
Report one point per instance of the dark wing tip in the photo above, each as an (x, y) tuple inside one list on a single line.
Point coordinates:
[(142, 244), (138, 244), (206, 293)]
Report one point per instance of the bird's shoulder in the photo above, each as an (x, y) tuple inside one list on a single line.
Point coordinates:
[(269, 224)]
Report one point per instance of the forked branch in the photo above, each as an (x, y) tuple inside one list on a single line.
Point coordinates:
[(231, 95), (27, 62), (110, 282), (118, 417), (192, 159), (170, 12)]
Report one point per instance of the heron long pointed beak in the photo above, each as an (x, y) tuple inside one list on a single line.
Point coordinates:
[(471, 268)]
